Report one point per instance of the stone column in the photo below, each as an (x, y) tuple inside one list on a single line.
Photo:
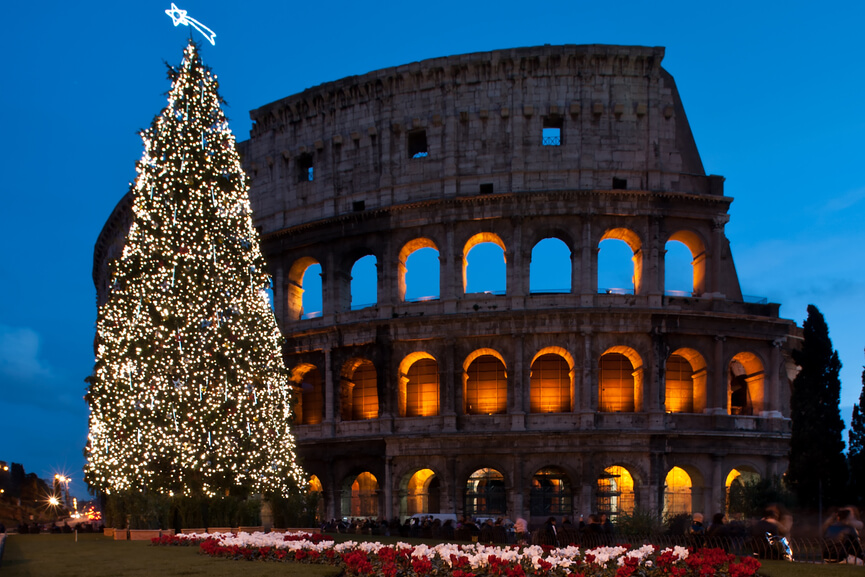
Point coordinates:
[(518, 386), (717, 247), (517, 266), (329, 397), (279, 295), (451, 393), (588, 266), (772, 395), (388, 488), (718, 389), (450, 259), (717, 498), (588, 388)]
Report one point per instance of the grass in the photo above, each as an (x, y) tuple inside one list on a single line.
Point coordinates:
[(98, 556)]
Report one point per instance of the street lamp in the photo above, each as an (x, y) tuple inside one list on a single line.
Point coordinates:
[(64, 480)]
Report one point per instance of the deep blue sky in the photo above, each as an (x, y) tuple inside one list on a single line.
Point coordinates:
[(774, 93)]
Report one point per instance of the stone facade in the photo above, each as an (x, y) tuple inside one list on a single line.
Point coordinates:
[(450, 153)]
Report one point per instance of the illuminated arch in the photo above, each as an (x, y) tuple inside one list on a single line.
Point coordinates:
[(480, 238), (734, 486), (309, 394), (359, 390), (550, 493), (550, 267), (745, 383), (620, 380), (422, 493), (698, 253), (360, 496), (685, 382), (485, 494), (316, 491), (552, 381), (485, 384), (677, 492), (402, 264), (615, 491), (633, 241), (295, 286), (418, 385)]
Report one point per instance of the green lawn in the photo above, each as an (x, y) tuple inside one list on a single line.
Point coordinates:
[(98, 556)]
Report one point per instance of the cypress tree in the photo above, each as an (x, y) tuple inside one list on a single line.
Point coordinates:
[(856, 453), (817, 464)]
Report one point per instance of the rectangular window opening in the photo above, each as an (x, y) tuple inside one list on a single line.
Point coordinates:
[(417, 145), (486, 188), (358, 205), (620, 184), (552, 131), (304, 168)]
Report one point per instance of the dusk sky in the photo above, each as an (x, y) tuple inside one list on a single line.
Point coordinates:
[(774, 93)]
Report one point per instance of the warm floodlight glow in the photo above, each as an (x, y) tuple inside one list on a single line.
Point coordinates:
[(179, 16)]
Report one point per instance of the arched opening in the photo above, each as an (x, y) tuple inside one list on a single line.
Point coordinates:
[(364, 283), (745, 380), (304, 289), (484, 265), (615, 492), (685, 382), (485, 494), (550, 269), (419, 386), (316, 497), (361, 497), (309, 401), (419, 271), (551, 382), (486, 383), (678, 270), (620, 381), (620, 262), (359, 397), (682, 264), (423, 493), (677, 493), (736, 494), (550, 493)]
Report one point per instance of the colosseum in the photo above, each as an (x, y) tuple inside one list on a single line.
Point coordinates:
[(529, 401)]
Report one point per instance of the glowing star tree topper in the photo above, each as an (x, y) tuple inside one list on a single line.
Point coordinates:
[(179, 16), (189, 394)]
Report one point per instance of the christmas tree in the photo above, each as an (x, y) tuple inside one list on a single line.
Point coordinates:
[(189, 395)]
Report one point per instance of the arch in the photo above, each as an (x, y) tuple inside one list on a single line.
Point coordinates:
[(422, 493), (630, 238), (678, 270), (615, 491), (485, 494), (499, 277), (485, 385), (360, 496), (695, 244), (620, 380), (734, 488), (364, 282), (550, 267), (685, 379), (297, 296), (745, 382), (677, 492), (550, 493), (316, 494), (419, 385), (551, 384), (409, 286), (359, 390), (308, 389)]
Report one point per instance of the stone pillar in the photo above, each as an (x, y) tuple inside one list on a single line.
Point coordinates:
[(718, 390), (589, 267), (717, 498), (717, 247), (279, 296), (450, 489), (517, 273), (451, 262), (388, 488), (518, 498), (518, 386), (329, 397), (451, 393), (588, 388), (771, 394), (331, 510)]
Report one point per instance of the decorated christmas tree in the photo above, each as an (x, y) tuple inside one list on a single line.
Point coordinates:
[(189, 395)]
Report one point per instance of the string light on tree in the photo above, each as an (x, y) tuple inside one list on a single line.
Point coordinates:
[(189, 393)]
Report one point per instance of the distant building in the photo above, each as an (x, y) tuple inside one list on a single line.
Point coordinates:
[(534, 402)]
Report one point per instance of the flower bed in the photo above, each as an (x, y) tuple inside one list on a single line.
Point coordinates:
[(449, 560)]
